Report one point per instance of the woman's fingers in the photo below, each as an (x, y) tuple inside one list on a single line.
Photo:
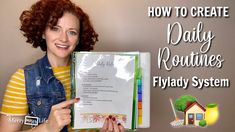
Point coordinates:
[(65, 116), (62, 119), (105, 125), (60, 115), (121, 127), (66, 121), (65, 104), (115, 125), (111, 125), (64, 111)]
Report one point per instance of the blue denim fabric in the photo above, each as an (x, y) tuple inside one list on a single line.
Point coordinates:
[(43, 90)]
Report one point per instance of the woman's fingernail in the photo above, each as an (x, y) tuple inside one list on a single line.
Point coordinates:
[(110, 117), (68, 107), (119, 124), (77, 99)]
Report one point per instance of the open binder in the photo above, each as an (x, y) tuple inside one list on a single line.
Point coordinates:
[(110, 83)]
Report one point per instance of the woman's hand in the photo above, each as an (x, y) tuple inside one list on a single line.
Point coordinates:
[(111, 125), (60, 115)]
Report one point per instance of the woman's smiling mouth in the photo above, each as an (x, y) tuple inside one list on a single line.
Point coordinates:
[(62, 46)]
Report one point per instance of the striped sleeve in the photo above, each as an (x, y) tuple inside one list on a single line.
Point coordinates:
[(63, 75), (14, 100)]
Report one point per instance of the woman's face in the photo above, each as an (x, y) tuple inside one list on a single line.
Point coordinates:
[(63, 38)]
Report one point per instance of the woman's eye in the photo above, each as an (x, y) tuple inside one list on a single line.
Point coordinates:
[(72, 33), (55, 29)]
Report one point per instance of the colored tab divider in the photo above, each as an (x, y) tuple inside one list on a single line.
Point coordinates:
[(139, 84)]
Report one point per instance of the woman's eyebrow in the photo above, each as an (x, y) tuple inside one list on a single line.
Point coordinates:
[(69, 28), (73, 29)]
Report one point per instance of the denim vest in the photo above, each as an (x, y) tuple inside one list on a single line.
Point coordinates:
[(43, 90)]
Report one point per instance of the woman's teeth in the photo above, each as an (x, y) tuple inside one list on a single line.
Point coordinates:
[(62, 46)]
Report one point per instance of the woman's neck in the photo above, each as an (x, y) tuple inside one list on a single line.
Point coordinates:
[(58, 62)]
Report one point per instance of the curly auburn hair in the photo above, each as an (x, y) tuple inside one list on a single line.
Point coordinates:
[(46, 13)]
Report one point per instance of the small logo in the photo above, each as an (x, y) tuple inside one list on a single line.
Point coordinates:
[(31, 120)]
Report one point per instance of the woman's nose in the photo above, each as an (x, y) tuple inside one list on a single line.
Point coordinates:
[(64, 37)]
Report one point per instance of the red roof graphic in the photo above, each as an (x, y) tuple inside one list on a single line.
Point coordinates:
[(195, 103)]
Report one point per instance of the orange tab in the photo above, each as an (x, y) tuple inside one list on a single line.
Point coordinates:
[(139, 105)]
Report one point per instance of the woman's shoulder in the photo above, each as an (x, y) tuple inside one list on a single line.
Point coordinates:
[(14, 99), (19, 73), (17, 77)]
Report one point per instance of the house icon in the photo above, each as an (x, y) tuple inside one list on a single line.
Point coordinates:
[(193, 114)]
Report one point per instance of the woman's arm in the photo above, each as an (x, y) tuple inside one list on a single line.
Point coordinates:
[(58, 118), (15, 124), (10, 123)]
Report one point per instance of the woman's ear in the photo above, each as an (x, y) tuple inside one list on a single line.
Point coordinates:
[(43, 36)]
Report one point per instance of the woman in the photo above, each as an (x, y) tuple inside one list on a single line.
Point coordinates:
[(42, 89)]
